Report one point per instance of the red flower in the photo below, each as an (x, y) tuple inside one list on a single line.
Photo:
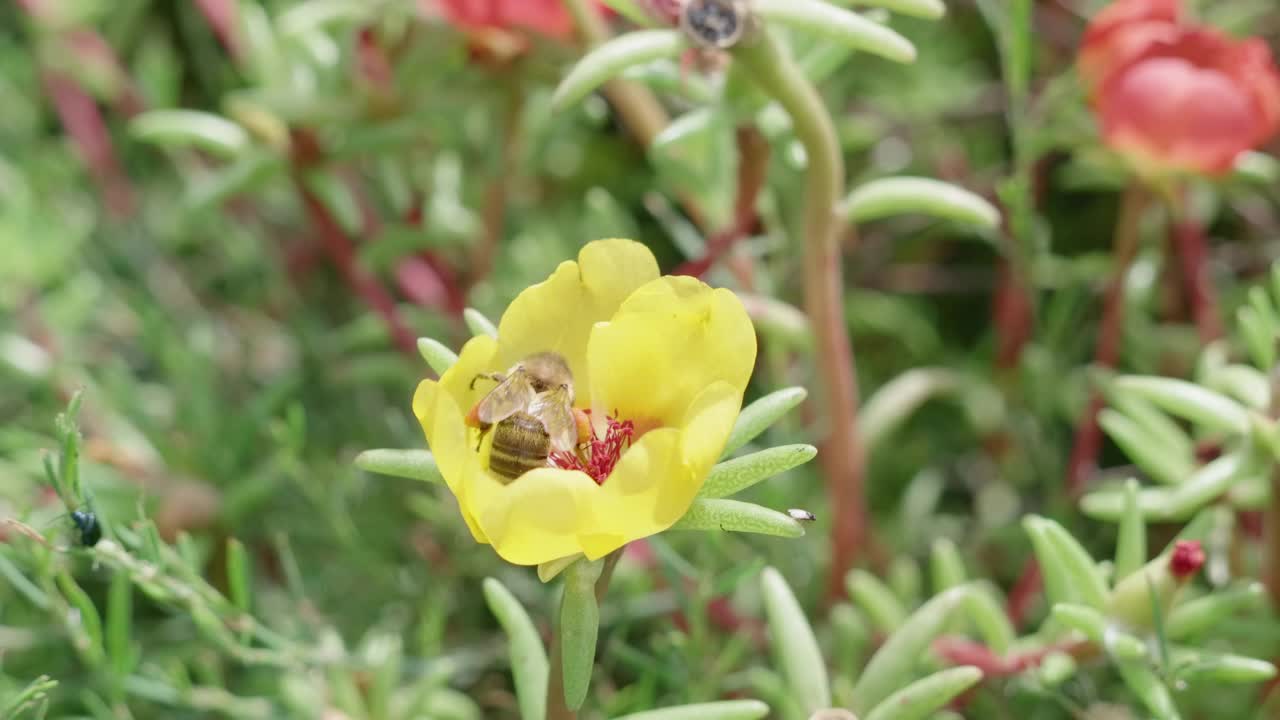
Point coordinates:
[(1174, 97), (544, 17), (1121, 30)]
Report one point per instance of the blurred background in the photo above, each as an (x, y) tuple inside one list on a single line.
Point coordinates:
[(237, 289)]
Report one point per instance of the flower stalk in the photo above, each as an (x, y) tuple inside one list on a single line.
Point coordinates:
[(771, 66), (1088, 441)]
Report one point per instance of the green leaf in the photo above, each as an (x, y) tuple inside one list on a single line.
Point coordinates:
[(727, 710), (761, 414), (1131, 545), (190, 128), (1195, 665), (412, 464), (631, 11), (1164, 465), (1259, 336), (1149, 688), (246, 173), (946, 567), (882, 608), (1094, 625), (36, 691), (87, 625), (608, 60), (1207, 408), (921, 698), (119, 621), (438, 356), (478, 324), (887, 197), (1070, 574), (837, 24), (1155, 424), (890, 668), (579, 628), (733, 476), (894, 401), (989, 618), (1201, 615), (738, 516), (316, 15), (794, 644), (529, 666), (1246, 384), (927, 9)]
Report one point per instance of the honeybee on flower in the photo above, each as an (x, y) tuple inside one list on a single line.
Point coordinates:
[(651, 370)]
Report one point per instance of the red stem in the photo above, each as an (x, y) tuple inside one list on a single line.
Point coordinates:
[(753, 165), (1191, 246), (1088, 442), (84, 124), (1023, 592), (343, 255)]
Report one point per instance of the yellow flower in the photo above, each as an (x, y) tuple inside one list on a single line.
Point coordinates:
[(669, 355)]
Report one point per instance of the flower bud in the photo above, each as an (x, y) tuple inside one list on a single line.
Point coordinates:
[(1135, 598)]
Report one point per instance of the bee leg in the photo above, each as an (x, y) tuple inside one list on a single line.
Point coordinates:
[(496, 377)]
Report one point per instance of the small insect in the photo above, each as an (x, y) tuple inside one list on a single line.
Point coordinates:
[(715, 23), (530, 413), (86, 523), (802, 515)]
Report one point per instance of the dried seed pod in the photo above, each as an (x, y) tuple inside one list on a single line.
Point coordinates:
[(715, 23)]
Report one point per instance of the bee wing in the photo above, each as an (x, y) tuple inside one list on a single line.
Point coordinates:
[(511, 396), (555, 410)]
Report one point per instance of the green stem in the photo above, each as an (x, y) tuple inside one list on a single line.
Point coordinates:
[(772, 67), (557, 709)]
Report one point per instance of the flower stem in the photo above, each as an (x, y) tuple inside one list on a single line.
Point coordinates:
[(557, 709), (1188, 241), (1088, 442), (771, 66)]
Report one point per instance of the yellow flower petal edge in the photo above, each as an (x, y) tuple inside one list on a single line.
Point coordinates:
[(670, 354)]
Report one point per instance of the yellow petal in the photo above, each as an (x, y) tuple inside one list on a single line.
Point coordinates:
[(657, 479), (670, 340), (539, 517), (450, 441), (558, 314)]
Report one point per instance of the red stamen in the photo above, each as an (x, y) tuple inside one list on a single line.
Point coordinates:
[(598, 455)]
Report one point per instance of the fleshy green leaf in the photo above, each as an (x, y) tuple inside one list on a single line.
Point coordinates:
[(1149, 688), (794, 644), (890, 668), (894, 401), (989, 618), (915, 195), (727, 710), (882, 608), (412, 464), (737, 516), (529, 666), (478, 324), (1207, 408), (579, 628), (190, 128), (1198, 616), (1131, 545), (1164, 465), (1070, 575), (921, 698), (926, 9), (733, 476), (1194, 665), (761, 414), (609, 59), (946, 567), (1094, 625), (837, 24), (439, 357)]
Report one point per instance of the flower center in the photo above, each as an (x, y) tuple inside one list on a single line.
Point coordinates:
[(598, 454)]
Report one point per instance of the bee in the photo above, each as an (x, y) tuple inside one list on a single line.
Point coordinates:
[(530, 413)]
